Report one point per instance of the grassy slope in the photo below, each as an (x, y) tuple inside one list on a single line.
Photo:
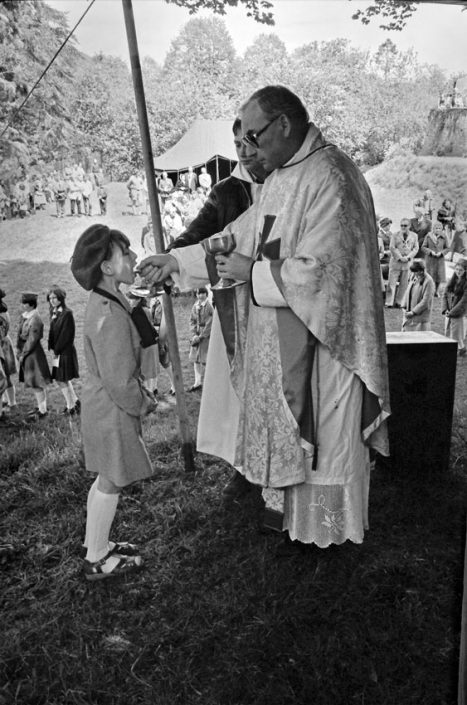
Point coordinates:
[(399, 181), (214, 619)]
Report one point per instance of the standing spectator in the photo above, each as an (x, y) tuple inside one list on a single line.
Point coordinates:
[(135, 188), (149, 353), (165, 186), (87, 191), (435, 248), (61, 343), (60, 193), (102, 198), (200, 328), (418, 300), (427, 201), (446, 216), (181, 182), (384, 241), (144, 194), (458, 246), (23, 199), (75, 195), (4, 203), (39, 198), (205, 180), (159, 323), (454, 306), (7, 352), (34, 370), (420, 225), (403, 247), (113, 398), (191, 180), (424, 205)]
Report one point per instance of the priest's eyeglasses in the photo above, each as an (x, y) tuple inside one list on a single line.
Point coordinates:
[(251, 137)]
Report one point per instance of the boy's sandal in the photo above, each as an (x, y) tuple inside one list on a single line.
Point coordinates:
[(126, 564), (124, 548), (121, 548)]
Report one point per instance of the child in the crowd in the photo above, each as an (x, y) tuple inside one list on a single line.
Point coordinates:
[(7, 355), (454, 306), (33, 370), (102, 198), (159, 323), (61, 343), (149, 354), (200, 327), (113, 397)]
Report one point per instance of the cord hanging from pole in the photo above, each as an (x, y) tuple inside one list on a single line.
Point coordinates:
[(18, 110)]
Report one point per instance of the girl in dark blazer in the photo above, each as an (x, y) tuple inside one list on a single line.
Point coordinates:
[(33, 370), (61, 343)]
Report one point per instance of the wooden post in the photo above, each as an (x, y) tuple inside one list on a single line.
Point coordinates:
[(187, 443)]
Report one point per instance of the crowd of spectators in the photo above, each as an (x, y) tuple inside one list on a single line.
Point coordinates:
[(180, 203), (72, 190), (413, 265)]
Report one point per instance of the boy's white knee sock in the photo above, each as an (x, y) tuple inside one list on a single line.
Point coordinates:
[(100, 516)]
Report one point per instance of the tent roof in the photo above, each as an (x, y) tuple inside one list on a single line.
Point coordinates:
[(203, 141)]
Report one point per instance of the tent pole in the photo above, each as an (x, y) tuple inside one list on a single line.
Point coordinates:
[(187, 444), (217, 169)]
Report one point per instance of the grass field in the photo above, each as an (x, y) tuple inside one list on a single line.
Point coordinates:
[(215, 618)]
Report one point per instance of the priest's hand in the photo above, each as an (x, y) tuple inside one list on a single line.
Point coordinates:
[(157, 268), (234, 266)]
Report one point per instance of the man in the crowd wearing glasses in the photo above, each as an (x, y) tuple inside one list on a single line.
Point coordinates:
[(309, 367), (403, 248)]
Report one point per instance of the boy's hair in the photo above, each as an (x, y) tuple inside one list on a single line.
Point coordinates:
[(95, 246)]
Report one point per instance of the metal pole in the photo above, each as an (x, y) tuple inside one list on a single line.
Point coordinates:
[(187, 443)]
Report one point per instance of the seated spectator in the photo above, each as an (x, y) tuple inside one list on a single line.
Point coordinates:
[(418, 300), (171, 222), (205, 180)]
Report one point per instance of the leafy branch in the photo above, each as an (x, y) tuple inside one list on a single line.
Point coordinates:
[(396, 13)]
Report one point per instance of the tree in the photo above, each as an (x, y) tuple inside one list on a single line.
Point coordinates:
[(104, 116), (198, 79), (258, 9), (265, 62), (30, 31), (395, 12)]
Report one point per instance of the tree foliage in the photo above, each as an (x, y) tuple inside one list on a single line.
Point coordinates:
[(259, 10), (394, 12), (30, 32), (367, 103)]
